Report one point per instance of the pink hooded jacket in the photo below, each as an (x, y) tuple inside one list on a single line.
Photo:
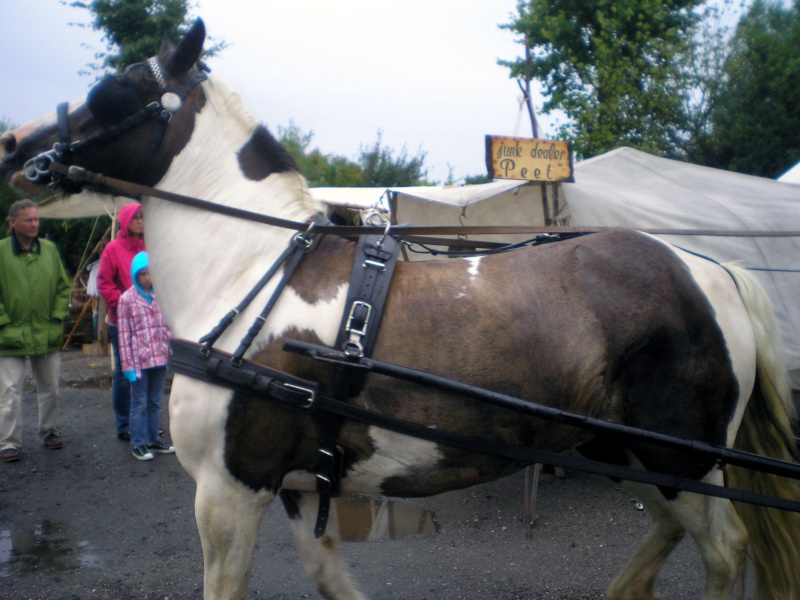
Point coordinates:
[(114, 276)]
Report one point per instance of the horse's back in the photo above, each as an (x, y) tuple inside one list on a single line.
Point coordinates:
[(616, 325)]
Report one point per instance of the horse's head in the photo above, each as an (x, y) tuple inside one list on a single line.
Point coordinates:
[(129, 126)]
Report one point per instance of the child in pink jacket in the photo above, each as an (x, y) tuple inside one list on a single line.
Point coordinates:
[(144, 355)]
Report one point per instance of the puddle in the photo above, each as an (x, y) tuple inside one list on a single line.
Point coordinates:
[(372, 519), (48, 547)]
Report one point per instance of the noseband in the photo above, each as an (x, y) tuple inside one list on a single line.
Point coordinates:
[(37, 169)]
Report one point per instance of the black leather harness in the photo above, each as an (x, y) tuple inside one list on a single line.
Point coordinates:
[(371, 276)]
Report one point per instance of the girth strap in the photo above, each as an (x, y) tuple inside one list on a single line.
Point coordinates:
[(371, 276)]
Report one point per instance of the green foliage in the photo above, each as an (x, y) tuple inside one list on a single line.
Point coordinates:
[(134, 29), (76, 239), (382, 169), (320, 170), (615, 67), (755, 118), (377, 166), (477, 179)]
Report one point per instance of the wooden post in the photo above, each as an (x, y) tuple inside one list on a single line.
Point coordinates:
[(75, 326)]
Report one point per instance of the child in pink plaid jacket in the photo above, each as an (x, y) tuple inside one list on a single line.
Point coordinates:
[(144, 354)]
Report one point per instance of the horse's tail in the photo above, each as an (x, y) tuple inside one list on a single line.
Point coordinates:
[(766, 429)]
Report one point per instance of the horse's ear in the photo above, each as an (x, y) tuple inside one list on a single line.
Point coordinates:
[(188, 51)]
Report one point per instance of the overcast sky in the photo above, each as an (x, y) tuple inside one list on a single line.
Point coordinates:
[(423, 72)]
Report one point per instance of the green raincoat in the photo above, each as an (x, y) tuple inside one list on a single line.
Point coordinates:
[(34, 298)]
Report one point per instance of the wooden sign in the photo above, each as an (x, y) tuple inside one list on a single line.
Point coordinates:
[(528, 158)]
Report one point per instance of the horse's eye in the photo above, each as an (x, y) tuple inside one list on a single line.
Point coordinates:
[(113, 99)]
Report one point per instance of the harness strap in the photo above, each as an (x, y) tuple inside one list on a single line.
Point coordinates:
[(408, 232), (301, 243), (370, 278), (301, 394), (709, 452), (215, 366), (296, 243)]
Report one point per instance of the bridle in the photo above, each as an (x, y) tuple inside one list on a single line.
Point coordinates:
[(37, 169)]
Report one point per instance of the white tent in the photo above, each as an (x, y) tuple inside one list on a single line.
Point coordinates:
[(630, 188), (792, 175)]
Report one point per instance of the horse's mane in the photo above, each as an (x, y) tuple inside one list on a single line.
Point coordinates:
[(276, 158)]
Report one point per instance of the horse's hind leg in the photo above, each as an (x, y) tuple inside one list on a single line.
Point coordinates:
[(636, 580), (322, 561), (720, 536), (228, 518)]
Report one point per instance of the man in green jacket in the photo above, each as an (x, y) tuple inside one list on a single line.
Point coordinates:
[(34, 301)]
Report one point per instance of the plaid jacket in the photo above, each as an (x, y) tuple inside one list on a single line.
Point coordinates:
[(143, 333)]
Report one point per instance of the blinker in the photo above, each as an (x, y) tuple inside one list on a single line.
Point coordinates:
[(112, 100)]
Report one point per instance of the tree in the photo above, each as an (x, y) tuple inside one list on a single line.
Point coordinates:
[(376, 165), (320, 170), (382, 169), (134, 29), (755, 117), (615, 67)]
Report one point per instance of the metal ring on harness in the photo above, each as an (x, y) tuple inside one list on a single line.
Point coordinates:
[(385, 233)]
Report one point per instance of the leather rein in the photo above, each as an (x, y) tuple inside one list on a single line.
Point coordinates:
[(408, 232)]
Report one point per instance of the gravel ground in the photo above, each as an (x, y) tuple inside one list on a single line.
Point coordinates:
[(89, 521)]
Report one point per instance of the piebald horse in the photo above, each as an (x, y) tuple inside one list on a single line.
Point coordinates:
[(617, 325)]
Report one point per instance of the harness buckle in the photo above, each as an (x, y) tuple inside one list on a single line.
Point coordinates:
[(358, 305), (312, 394)]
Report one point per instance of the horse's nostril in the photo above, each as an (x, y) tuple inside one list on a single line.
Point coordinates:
[(8, 143)]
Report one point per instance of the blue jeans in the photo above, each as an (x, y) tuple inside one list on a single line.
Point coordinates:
[(120, 387), (146, 406)]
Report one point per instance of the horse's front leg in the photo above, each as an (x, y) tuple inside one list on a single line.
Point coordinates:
[(228, 518), (322, 561)]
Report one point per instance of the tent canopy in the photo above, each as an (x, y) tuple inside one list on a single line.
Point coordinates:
[(629, 188), (792, 175)]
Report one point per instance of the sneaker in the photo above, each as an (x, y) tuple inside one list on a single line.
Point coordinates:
[(53, 442), (160, 448), (141, 453), (124, 436), (9, 455)]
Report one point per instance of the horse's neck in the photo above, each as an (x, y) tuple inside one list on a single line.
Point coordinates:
[(209, 168), (204, 263)]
